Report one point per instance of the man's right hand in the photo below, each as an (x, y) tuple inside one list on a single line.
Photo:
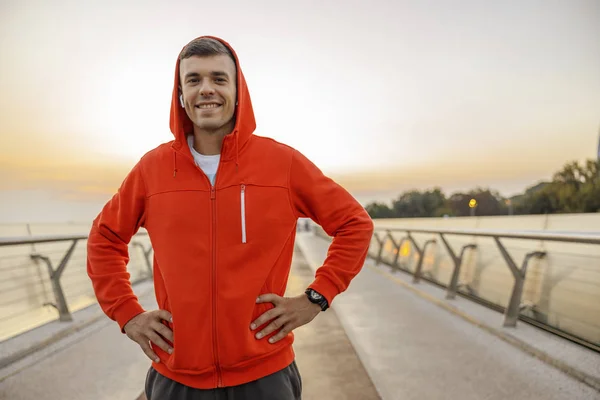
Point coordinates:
[(148, 327)]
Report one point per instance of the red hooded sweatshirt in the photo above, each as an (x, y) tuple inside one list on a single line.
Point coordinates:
[(217, 248)]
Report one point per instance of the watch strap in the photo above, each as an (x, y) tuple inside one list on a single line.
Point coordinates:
[(317, 298)]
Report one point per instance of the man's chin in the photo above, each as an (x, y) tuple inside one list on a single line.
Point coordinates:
[(210, 127)]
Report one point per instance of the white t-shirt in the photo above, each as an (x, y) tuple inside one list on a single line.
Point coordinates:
[(208, 164)]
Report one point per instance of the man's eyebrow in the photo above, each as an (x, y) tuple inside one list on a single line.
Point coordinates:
[(191, 75), (213, 73), (220, 73)]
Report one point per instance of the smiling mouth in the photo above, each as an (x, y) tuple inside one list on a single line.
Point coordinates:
[(210, 106)]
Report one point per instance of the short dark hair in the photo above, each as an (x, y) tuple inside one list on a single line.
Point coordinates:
[(205, 47)]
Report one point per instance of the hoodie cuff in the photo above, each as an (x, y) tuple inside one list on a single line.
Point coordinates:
[(126, 312), (325, 287)]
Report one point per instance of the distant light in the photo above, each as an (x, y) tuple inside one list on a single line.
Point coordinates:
[(473, 203), (405, 249)]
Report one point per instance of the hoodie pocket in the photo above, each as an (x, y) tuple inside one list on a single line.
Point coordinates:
[(192, 344), (261, 308), (243, 209), (192, 325)]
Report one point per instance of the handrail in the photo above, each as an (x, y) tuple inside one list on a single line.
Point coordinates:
[(35, 239), (591, 238), (19, 240), (382, 234), (55, 273)]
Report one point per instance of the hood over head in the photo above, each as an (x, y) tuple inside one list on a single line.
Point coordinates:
[(245, 124)]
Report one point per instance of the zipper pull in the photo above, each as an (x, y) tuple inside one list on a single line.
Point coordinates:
[(243, 207), (212, 193)]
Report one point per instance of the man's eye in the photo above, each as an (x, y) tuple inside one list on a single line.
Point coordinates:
[(219, 79), (193, 80)]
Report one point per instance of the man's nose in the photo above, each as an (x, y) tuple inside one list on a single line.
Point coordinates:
[(206, 88)]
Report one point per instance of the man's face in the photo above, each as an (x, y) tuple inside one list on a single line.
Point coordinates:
[(208, 85)]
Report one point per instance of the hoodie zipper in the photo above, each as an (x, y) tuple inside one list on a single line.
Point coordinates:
[(213, 204), (243, 207)]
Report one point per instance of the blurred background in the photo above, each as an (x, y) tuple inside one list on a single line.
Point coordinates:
[(415, 107)]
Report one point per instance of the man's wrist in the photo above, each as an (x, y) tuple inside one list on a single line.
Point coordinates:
[(314, 306), (317, 298)]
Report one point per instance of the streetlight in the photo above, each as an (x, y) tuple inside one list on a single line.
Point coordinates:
[(510, 208), (472, 206)]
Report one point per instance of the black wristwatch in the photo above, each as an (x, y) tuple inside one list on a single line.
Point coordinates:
[(317, 298)]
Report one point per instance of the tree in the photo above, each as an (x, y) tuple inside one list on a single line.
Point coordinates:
[(459, 204), (543, 201), (415, 204), (488, 203), (577, 187), (573, 189), (379, 210), (590, 197)]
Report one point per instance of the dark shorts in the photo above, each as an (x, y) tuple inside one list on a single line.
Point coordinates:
[(282, 385)]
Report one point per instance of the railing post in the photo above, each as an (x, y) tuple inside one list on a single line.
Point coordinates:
[(61, 303), (417, 274), (453, 286), (146, 256), (380, 251), (396, 246), (512, 311)]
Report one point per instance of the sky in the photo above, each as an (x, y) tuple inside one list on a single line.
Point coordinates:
[(384, 96)]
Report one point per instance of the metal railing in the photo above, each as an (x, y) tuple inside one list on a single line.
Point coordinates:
[(519, 274), (397, 237), (56, 272)]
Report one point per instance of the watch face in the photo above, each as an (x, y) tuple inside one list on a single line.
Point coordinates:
[(315, 295)]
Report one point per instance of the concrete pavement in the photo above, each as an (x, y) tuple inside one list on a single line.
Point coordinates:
[(98, 363), (328, 363), (413, 349), (380, 340)]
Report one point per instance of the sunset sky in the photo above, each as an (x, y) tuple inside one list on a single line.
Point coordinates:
[(384, 96)]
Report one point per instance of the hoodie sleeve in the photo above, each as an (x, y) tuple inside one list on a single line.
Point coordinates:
[(319, 198), (108, 252)]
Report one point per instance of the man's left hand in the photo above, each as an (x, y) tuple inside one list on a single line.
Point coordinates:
[(289, 313)]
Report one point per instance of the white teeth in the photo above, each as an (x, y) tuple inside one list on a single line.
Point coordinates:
[(208, 106)]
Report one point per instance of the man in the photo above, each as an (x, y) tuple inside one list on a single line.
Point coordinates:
[(221, 205)]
